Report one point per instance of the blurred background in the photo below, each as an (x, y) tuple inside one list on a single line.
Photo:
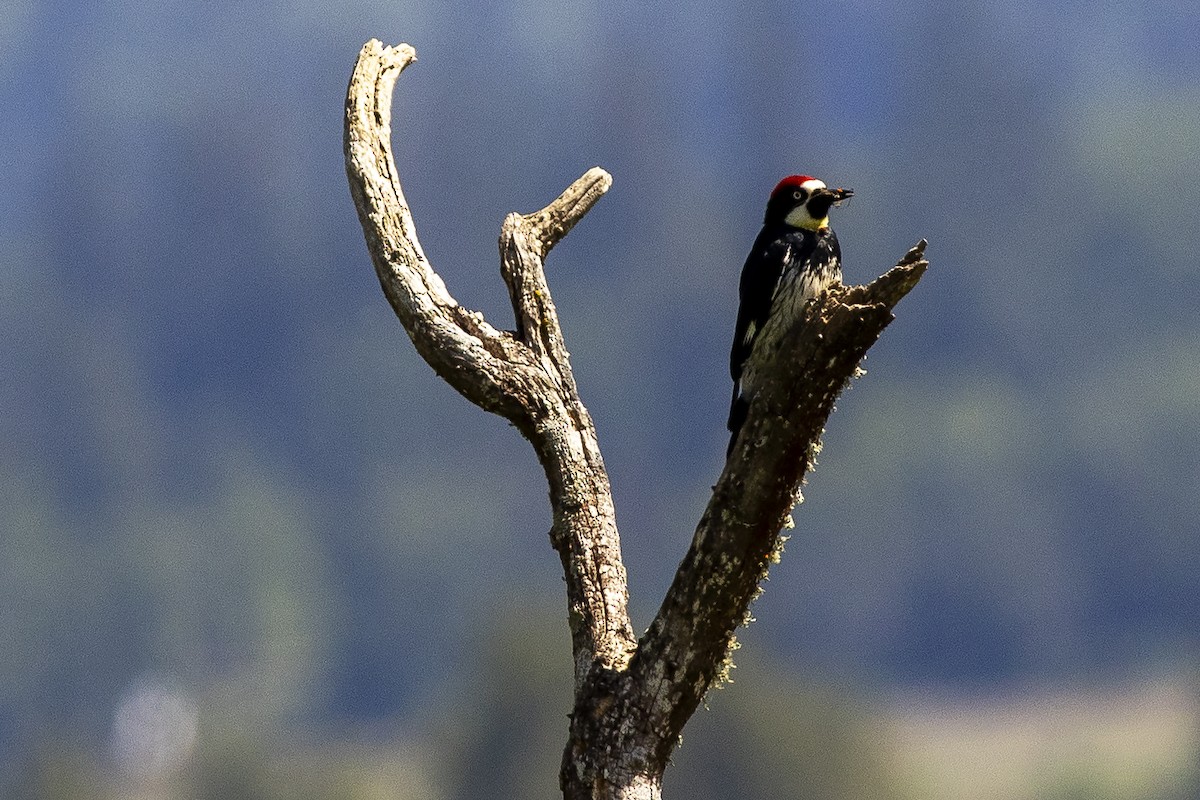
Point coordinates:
[(251, 547)]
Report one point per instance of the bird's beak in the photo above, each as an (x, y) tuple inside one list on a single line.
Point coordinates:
[(834, 196)]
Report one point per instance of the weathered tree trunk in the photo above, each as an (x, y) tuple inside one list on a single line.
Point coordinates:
[(632, 698)]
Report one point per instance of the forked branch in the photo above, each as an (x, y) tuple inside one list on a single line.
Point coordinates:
[(632, 699)]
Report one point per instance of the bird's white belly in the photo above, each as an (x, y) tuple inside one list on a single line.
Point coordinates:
[(796, 288)]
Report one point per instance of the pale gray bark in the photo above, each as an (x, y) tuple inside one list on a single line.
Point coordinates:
[(632, 698)]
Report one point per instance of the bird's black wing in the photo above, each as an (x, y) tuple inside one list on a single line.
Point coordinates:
[(774, 251), (760, 277)]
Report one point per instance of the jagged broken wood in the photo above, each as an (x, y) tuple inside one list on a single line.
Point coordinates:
[(632, 698)]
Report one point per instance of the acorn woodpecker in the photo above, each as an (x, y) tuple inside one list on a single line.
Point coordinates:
[(795, 257)]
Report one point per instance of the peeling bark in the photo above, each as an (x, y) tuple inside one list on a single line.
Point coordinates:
[(632, 698)]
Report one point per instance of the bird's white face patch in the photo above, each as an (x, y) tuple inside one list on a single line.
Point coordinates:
[(799, 217)]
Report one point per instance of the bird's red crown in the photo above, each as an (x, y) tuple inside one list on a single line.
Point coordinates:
[(791, 183)]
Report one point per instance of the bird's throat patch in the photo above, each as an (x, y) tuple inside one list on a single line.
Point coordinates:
[(800, 218)]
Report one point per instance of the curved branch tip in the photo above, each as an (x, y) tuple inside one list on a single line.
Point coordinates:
[(556, 220), (600, 177), (915, 253), (400, 55)]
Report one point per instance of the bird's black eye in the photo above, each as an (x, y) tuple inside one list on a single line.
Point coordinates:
[(799, 194)]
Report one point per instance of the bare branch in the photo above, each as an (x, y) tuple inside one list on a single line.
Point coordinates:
[(889, 288), (685, 649), (469, 354), (525, 242), (525, 378)]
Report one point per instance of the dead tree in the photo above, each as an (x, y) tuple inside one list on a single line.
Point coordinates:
[(632, 696)]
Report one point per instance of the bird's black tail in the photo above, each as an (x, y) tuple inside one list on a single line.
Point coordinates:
[(738, 408)]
